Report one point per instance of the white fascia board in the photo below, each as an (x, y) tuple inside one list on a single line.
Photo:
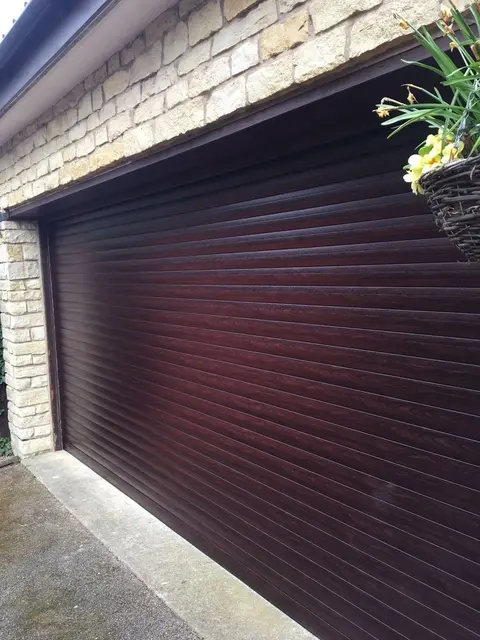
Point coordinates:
[(109, 34)]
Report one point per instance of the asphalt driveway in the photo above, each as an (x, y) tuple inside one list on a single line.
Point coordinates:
[(58, 582)]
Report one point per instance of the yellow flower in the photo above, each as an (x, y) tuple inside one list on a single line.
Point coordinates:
[(414, 184), (410, 97), (382, 111), (446, 13), (452, 151), (438, 155), (415, 161), (404, 25), (453, 45)]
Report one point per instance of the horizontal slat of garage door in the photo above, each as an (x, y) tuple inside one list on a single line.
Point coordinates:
[(288, 373)]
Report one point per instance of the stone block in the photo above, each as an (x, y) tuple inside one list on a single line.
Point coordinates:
[(33, 271), (74, 170), (38, 333), (56, 161), (107, 112), (42, 408), (259, 18), (74, 96), (105, 155), (16, 271), (138, 139), (26, 321), (85, 106), (32, 447), (15, 197), (187, 6), (55, 128), (101, 136), (17, 361), (34, 306), (148, 87), (69, 153), (284, 35), (51, 181), (70, 118), (14, 308), (28, 191), (180, 120), (113, 63), (39, 359), (129, 99), (31, 252), (244, 56), (132, 50), (95, 78), (116, 84), (194, 57), (233, 8), (176, 43), (176, 93), (22, 434), (205, 21), (30, 371), (42, 168), (19, 236), (97, 98), (226, 99), (326, 14), (149, 109), (28, 397), (86, 145), (376, 28), (270, 78), (17, 384), (78, 131), (316, 57), (165, 78), (209, 75), (22, 296), (17, 335), (37, 155), (14, 252), (165, 21), (43, 429), (32, 284), (147, 64), (12, 225), (93, 121), (40, 137), (286, 6), (38, 382)]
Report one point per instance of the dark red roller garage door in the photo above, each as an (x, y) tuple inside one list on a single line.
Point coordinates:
[(283, 365)]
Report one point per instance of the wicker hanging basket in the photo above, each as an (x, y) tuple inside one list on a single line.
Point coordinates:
[(453, 195)]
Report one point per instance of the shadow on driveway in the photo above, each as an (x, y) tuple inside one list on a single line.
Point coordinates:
[(58, 582)]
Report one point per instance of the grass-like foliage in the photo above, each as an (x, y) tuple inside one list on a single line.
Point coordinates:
[(451, 109)]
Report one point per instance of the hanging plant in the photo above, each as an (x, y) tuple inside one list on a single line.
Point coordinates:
[(446, 165)]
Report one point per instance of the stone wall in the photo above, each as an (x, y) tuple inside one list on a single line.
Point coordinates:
[(24, 343), (196, 64)]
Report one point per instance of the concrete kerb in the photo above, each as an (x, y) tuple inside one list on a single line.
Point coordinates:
[(207, 597)]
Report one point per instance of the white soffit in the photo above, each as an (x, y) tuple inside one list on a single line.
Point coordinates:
[(113, 31)]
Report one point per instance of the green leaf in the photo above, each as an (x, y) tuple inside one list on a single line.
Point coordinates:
[(458, 19), (424, 150), (476, 14)]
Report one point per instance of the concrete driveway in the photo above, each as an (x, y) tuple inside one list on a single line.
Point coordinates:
[(58, 582)]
